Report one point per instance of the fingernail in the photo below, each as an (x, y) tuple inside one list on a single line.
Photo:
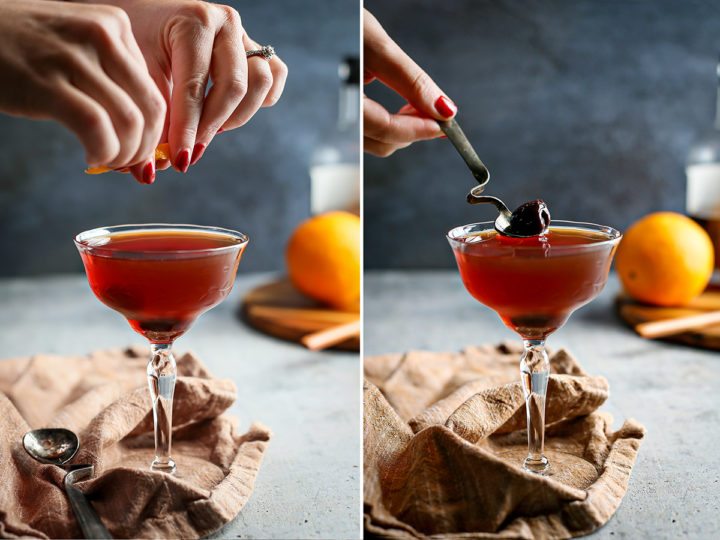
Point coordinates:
[(443, 136), (445, 107), (197, 153), (182, 161), (148, 173), (220, 130)]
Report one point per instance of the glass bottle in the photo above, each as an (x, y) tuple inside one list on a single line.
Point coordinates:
[(335, 163), (702, 168)]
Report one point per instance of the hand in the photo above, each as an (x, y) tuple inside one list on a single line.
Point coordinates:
[(386, 61), (186, 43), (81, 66)]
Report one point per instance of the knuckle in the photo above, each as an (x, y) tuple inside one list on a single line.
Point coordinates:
[(106, 153), (386, 127), (92, 119), (64, 59), (282, 68), (111, 22), (420, 83), (271, 99), (236, 88), (131, 119), (231, 15), (119, 16), (198, 13), (104, 148), (194, 87), (158, 107), (380, 49), (264, 79), (99, 32)]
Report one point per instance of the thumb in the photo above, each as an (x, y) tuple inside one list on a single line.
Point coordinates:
[(386, 61)]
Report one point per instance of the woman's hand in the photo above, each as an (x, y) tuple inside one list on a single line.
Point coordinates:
[(187, 43), (81, 66), (386, 61)]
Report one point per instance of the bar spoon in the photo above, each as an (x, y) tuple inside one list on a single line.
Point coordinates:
[(57, 446)]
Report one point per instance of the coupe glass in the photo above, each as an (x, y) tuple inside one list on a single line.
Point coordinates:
[(534, 284), (161, 277)]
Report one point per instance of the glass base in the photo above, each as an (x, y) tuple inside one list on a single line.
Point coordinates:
[(537, 466), (163, 466), (563, 467)]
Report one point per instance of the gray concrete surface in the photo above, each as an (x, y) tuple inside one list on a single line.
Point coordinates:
[(674, 489), (309, 482)]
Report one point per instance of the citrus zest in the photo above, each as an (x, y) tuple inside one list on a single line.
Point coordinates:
[(161, 152)]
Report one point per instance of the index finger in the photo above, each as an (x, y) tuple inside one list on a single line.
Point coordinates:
[(229, 73), (191, 55), (385, 60)]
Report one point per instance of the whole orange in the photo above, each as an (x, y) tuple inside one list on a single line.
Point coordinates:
[(665, 259), (323, 259)]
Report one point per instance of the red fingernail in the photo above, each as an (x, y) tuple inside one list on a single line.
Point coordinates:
[(197, 153), (220, 130), (445, 107), (148, 173), (182, 161), (443, 136)]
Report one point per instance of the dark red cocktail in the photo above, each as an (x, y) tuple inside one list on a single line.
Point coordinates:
[(534, 284), (161, 278)]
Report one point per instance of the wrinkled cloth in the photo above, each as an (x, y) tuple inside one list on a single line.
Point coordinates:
[(104, 398), (445, 436)]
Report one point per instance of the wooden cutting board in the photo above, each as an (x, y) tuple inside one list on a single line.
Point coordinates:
[(634, 313), (278, 309)]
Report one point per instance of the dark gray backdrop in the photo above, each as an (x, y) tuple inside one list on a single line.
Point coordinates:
[(253, 179), (590, 105)]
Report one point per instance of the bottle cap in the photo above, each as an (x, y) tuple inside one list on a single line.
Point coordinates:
[(349, 70)]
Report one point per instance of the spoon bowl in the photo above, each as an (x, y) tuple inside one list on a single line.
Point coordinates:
[(57, 446), (506, 222), (502, 223), (54, 446)]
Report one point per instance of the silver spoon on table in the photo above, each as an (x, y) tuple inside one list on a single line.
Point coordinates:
[(507, 222), (57, 446)]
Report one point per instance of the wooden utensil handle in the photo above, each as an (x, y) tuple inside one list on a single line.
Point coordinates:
[(331, 336), (670, 327)]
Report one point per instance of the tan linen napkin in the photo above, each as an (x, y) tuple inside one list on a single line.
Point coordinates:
[(444, 439), (104, 398)]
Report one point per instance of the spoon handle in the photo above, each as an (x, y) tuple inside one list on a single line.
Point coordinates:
[(456, 136), (88, 519), (474, 198)]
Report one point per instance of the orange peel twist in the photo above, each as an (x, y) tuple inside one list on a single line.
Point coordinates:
[(161, 152)]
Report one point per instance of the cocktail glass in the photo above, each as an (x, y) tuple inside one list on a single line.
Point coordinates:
[(534, 284), (161, 277)]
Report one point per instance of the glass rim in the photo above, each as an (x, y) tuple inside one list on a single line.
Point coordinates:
[(82, 238), (614, 235)]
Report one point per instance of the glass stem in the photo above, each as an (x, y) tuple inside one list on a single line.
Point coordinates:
[(534, 371), (161, 374)]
